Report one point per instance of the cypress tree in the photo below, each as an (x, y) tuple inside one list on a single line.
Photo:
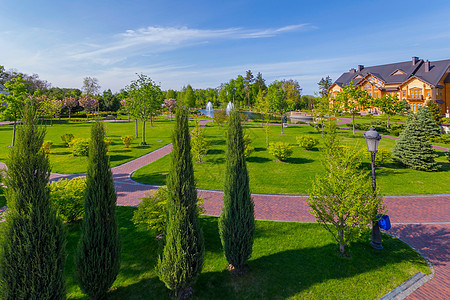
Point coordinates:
[(428, 123), (98, 253), (413, 149), (182, 258), (32, 239), (237, 220)]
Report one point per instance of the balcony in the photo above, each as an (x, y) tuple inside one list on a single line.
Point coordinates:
[(414, 98)]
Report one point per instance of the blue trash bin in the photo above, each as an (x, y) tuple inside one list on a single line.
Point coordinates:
[(384, 222)]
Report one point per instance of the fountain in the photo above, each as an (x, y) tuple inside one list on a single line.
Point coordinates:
[(230, 106), (209, 106)]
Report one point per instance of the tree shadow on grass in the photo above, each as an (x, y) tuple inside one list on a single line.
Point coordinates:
[(125, 150), (259, 149), (217, 161), (298, 160), (215, 151), (217, 142), (279, 274), (118, 157), (257, 159), (286, 273)]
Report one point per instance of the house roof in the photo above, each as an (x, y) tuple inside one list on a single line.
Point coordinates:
[(385, 72)]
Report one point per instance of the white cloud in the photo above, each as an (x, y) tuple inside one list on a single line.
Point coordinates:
[(157, 39)]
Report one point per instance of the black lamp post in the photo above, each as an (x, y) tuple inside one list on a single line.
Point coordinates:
[(373, 139)]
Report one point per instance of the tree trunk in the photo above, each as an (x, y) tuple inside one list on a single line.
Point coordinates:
[(143, 132), (282, 123), (151, 120), (14, 133), (128, 116), (69, 114), (51, 121), (321, 121), (267, 134), (387, 122), (353, 118), (136, 128), (342, 248), (87, 117)]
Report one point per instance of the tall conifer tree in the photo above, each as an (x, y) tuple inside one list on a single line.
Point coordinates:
[(413, 149), (32, 238), (182, 258), (428, 123), (98, 253), (237, 221)]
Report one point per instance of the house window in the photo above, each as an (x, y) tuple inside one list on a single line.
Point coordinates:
[(428, 93), (375, 94), (404, 93)]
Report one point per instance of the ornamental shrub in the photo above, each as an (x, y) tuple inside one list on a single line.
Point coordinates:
[(307, 142), (383, 156), (428, 123), (32, 238), (342, 200), (443, 139), (80, 147), (199, 144), (67, 138), (182, 259), (98, 253), (46, 146), (127, 139), (413, 149), (281, 151), (152, 211), (237, 220), (68, 198)]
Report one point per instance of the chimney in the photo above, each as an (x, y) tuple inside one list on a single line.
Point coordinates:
[(352, 70), (360, 68), (414, 60), (427, 66)]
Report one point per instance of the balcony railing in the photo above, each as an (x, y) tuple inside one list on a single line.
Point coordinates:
[(415, 97)]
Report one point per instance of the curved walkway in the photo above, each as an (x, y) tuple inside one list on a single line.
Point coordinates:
[(422, 221)]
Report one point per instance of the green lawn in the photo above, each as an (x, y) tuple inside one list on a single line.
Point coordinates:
[(290, 260), (61, 156), (296, 174)]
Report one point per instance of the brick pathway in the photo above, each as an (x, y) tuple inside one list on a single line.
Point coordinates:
[(421, 221)]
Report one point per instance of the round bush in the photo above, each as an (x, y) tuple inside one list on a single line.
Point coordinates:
[(280, 150), (80, 147), (307, 142), (68, 198)]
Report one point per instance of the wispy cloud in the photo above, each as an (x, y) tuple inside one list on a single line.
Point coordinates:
[(168, 38)]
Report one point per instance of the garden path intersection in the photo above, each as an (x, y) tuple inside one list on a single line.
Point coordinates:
[(422, 221)]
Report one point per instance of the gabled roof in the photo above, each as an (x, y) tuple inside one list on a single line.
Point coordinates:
[(386, 72)]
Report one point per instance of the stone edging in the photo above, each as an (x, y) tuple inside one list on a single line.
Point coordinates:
[(409, 286)]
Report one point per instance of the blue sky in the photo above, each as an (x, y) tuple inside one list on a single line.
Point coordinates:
[(205, 43)]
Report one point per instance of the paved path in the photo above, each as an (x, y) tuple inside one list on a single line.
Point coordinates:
[(421, 221)]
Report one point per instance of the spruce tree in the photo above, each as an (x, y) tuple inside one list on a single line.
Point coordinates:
[(237, 220), (182, 258), (32, 252), (428, 123), (413, 149), (98, 253)]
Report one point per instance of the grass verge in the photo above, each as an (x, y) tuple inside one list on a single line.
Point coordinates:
[(290, 260)]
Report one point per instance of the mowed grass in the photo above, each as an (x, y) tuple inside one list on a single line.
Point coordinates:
[(295, 176), (61, 157), (290, 260)]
